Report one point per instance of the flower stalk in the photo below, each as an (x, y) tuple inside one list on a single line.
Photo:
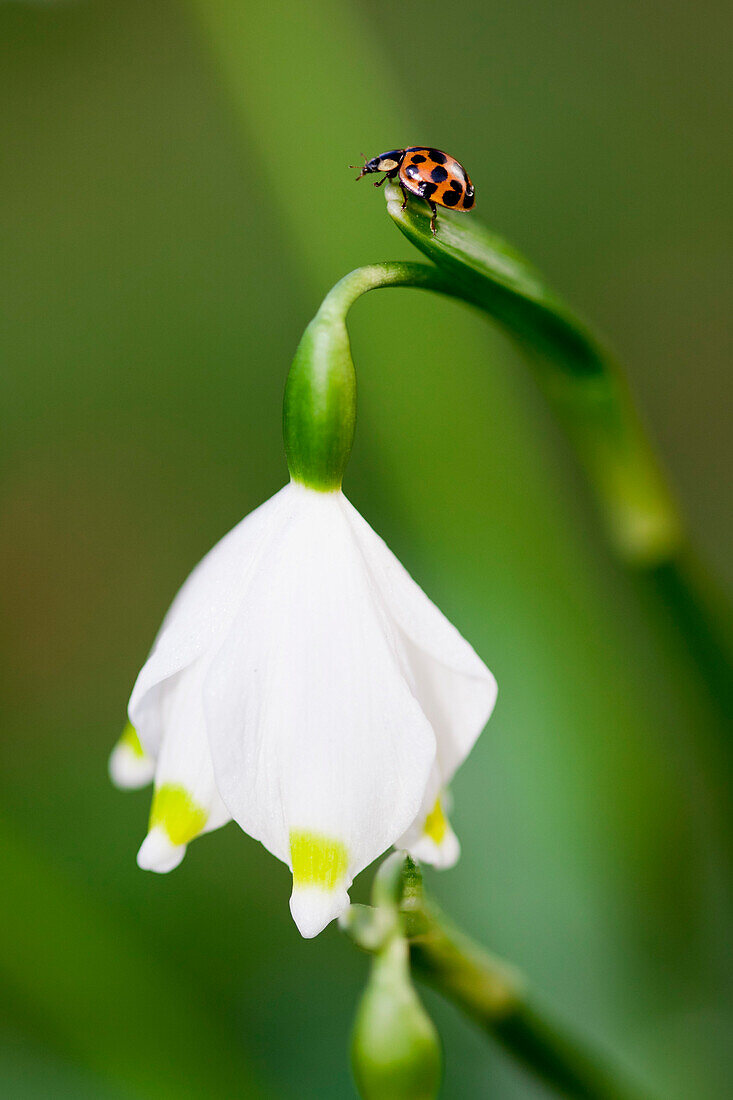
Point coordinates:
[(319, 408), (588, 394), (584, 387), (490, 992), (580, 381)]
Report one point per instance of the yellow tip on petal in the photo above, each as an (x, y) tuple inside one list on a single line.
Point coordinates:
[(437, 844), (320, 864), (436, 824), (317, 860), (176, 812), (158, 853), (131, 740), (312, 908), (129, 765)]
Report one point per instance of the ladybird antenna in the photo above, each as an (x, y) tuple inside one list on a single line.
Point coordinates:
[(362, 166)]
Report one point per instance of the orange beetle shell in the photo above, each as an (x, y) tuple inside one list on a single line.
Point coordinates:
[(437, 177)]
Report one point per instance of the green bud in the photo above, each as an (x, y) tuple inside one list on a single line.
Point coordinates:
[(395, 1050), (319, 409)]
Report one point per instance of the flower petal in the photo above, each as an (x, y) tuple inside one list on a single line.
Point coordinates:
[(433, 841), (158, 852), (130, 767), (320, 749), (186, 802), (198, 615), (320, 867), (455, 689)]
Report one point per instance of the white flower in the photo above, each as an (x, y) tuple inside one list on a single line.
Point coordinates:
[(304, 685)]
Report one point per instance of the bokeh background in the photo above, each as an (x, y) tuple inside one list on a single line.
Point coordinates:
[(174, 203)]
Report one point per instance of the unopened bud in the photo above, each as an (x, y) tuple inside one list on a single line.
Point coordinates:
[(395, 1051)]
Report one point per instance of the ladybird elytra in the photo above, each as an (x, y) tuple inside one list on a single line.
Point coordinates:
[(428, 173)]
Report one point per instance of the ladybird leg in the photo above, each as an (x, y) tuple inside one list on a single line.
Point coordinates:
[(380, 182), (404, 196), (434, 218)]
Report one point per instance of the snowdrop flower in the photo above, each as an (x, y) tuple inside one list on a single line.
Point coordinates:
[(302, 683)]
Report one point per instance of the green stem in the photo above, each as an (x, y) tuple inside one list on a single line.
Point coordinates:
[(598, 414), (319, 407), (582, 384), (495, 997), (587, 392), (694, 601), (642, 522), (346, 291)]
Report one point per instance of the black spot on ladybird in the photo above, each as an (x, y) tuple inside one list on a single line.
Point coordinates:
[(412, 172), (468, 200), (456, 185), (437, 156), (451, 198), (438, 174), (417, 159), (428, 189)]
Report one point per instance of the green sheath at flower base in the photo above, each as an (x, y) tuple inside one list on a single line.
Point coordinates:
[(319, 408)]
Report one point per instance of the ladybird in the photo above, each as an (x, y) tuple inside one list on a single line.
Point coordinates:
[(427, 173)]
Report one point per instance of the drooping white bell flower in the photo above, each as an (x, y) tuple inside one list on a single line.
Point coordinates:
[(302, 683), (335, 699)]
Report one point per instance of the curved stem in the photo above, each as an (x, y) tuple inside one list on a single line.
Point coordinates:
[(490, 992), (580, 380), (319, 407), (348, 290), (497, 998), (587, 392), (599, 416), (700, 609)]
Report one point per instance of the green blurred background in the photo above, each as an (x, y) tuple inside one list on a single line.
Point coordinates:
[(174, 204)]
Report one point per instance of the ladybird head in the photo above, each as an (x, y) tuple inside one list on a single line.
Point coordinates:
[(385, 162)]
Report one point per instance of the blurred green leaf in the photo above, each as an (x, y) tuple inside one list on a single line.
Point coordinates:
[(101, 993)]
